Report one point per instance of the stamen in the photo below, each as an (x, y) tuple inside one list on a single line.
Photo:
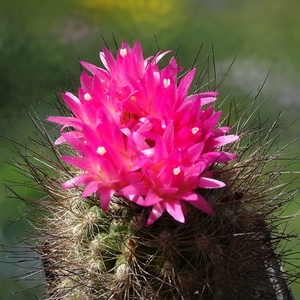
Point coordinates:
[(87, 97), (195, 130), (176, 171), (101, 150), (166, 82), (123, 52), (133, 98)]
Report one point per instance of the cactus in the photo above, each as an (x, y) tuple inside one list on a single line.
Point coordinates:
[(124, 248)]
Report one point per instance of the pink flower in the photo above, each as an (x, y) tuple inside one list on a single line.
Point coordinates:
[(171, 175), (139, 135)]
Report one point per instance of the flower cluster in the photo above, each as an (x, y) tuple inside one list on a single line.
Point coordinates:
[(139, 135)]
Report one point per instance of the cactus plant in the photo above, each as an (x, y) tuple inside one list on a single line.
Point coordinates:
[(148, 197)]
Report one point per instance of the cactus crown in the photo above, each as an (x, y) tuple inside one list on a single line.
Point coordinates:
[(179, 217)]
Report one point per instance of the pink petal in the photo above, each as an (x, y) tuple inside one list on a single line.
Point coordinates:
[(90, 67), (168, 191), (221, 141), (67, 121), (217, 156), (203, 205), (211, 123), (208, 94), (134, 178), (151, 199), (210, 183), (60, 140), (208, 97), (73, 139), (169, 136), (76, 134), (185, 84), (79, 162), (188, 196), (193, 153), (199, 168), (174, 208), (86, 81), (105, 195), (156, 212), (139, 142), (221, 131), (91, 188), (134, 192), (108, 60), (159, 56), (160, 150), (81, 180)]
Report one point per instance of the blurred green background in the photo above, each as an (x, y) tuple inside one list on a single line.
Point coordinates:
[(41, 42)]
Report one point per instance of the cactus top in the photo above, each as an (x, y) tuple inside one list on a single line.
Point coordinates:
[(138, 134)]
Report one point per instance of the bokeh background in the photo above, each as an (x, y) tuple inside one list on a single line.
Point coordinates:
[(42, 41)]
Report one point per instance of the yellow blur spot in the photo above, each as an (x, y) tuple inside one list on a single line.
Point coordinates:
[(138, 15)]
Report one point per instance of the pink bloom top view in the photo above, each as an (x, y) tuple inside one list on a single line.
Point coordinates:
[(138, 134)]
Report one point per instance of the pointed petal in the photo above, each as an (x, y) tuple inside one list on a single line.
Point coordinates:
[(221, 131), (67, 121), (151, 199), (203, 205), (221, 141), (217, 156), (188, 196), (210, 183), (185, 84), (105, 195), (75, 142), (156, 212), (60, 140), (159, 56), (134, 191), (108, 60), (194, 152), (91, 188), (79, 162), (81, 180), (174, 208), (168, 136), (211, 122)]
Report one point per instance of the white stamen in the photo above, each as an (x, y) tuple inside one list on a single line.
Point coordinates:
[(166, 82), (176, 171), (123, 52), (195, 130), (101, 150), (87, 97)]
